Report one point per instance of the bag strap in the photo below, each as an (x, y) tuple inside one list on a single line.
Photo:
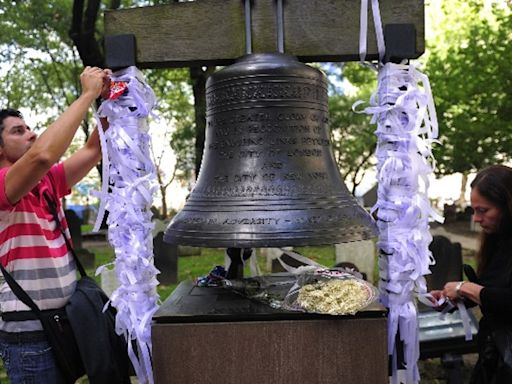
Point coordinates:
[(13, 284), (53, 210), (19, 291)]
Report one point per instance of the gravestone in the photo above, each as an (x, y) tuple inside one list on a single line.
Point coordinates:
[(448, 266), (360, 253), (450, 213), (75, 229), (85, 256), (186, 250), (465, 215), (271, 255), (166, 260)]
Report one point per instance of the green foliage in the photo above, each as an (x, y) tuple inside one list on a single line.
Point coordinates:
[(43, 74), (471, 83), (176, 128), (41, 69), (353, 139), (176, 103)]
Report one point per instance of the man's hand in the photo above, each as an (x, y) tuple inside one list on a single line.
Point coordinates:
[(93, 80)]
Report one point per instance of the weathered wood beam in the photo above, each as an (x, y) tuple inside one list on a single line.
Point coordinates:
[(212, 32)]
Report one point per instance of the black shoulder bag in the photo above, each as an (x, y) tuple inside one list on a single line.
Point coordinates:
[(82, 335)]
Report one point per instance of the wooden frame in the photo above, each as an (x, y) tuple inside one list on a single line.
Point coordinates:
[(212, 32)]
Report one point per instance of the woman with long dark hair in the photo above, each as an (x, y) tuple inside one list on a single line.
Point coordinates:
[(491, 287)]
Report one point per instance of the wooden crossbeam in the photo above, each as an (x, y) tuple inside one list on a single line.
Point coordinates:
[(212, 32)]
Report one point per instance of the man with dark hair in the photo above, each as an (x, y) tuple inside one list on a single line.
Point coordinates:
[(4, 113), (32, 247)]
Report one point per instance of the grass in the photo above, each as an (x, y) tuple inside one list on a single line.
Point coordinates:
[(86, 228)]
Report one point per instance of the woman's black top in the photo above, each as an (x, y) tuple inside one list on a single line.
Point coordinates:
[(496, 278), (494, 365)]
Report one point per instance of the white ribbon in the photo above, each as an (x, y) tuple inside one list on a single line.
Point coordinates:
[(363, 30), (130, 175), (297, 257), (403, 109)]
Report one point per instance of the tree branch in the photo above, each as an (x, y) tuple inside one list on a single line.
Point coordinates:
[(44, 78), (60, 80)]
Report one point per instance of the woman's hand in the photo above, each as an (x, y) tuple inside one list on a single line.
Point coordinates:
[(457, 290), (451, 290), (437, 294), (437, 297)]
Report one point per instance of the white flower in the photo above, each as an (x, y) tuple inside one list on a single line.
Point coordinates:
[(334, 296)]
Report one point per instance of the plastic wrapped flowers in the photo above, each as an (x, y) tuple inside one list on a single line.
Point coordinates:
[(330, 291)]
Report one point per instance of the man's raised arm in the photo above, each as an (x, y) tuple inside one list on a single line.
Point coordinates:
[(29, 169)]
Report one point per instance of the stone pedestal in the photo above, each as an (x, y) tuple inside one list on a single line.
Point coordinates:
[(222, 345)]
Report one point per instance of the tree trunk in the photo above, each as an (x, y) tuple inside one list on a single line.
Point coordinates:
[(461, 201), (82, 32), (164, 213)]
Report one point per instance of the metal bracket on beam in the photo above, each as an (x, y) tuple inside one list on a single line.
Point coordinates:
[(120, 51), (400, 42)]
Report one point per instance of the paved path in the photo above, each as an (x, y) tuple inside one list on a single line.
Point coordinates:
[(467, 242)]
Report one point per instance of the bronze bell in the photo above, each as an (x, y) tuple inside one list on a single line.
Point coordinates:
[(268, 176)]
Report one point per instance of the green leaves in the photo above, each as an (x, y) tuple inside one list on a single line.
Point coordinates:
[(41, 69), (176, 106), (471, 83), (353, 139)]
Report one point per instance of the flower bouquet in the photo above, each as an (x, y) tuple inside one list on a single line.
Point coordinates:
[(333, 291)]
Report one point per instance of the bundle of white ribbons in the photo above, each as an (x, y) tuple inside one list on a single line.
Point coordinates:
[(129, 182), (403, 109), (406, 128)]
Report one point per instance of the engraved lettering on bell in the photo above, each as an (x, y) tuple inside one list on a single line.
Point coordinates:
[(264, 90), (268, 176)]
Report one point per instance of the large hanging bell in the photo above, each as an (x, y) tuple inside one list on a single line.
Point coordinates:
[(268, 176)]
